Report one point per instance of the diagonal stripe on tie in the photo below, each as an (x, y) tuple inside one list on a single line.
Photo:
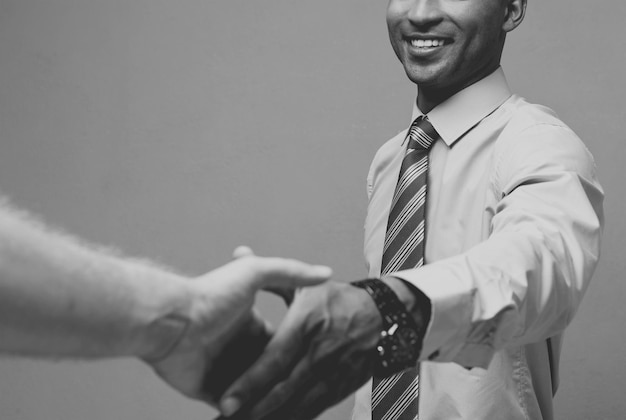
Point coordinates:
[(400, 259), (389, 402), (407, 229), (413, 208), (407, 179), (417, 179), (402, 403), (396, 397), (383, 388)]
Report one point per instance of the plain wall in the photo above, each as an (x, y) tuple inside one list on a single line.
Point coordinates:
[(178, 130)]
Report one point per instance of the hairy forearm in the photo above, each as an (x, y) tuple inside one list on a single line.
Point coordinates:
[(62, 298)]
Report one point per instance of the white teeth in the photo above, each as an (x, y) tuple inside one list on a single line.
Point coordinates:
[(426, 43)]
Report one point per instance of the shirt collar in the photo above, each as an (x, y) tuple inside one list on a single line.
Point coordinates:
[(462, 111)]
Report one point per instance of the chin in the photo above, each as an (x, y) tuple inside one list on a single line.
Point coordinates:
[(426, 76), (424, 79)]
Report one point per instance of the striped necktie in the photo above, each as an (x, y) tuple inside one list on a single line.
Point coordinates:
[(396, 397)]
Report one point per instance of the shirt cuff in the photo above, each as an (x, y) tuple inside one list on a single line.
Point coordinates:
[(455, 332)]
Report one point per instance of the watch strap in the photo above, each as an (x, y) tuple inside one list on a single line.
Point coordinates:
[(400, 341)]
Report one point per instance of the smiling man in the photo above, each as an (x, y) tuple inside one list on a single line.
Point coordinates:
[(513, 218), (482, 233)]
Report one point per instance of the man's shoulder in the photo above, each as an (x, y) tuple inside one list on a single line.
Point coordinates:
[(525, 124), (535, 133), (522, 115)]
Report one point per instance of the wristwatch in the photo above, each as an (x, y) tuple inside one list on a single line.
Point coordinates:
[(400, 341)]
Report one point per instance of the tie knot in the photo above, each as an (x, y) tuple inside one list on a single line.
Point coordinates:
[(422, 134)]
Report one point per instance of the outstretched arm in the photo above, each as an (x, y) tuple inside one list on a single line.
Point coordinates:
[(62, 298)]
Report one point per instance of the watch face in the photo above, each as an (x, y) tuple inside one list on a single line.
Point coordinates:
[(406, 341), (400, 351), (400, 344)]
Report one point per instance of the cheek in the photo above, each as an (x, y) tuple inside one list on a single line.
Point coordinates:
[(394, 10), (395, 15), (395, 38), (477, 43), (483, 49), (391, 27)]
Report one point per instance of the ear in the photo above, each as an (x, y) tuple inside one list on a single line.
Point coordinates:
[(513, 14)]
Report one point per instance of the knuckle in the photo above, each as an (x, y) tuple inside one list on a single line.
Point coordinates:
[(280, 393), (240, 391)]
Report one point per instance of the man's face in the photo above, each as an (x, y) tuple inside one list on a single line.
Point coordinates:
[(447, 44)]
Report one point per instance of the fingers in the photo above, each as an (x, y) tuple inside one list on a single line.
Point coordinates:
[(333, 386), (307, 404), (281, 273), (285, 394), (311, 388), (271, 368)]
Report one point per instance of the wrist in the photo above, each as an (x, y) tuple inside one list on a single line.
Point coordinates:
[(414, 300), (162, 316), (400, 340)]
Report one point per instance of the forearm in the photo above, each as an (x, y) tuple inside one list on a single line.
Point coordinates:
[(524, 281), (61, 298), (512, 289)]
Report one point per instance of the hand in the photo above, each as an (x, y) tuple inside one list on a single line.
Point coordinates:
[(321, 353), (224, 335)]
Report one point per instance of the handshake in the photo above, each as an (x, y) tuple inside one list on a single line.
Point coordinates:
[(227, 355), (62, 298)]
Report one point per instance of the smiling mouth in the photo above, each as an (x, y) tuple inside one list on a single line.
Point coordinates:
[(427, 43)]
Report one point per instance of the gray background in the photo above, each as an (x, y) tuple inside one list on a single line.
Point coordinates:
[(178, 130)]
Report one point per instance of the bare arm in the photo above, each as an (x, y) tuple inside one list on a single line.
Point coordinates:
[(62, 298)]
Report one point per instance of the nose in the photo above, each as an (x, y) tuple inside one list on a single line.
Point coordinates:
[(425, 13)]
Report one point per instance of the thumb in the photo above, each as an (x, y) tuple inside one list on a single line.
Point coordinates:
[(242, 251)]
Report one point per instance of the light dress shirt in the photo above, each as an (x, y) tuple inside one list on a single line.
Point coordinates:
[(513, 226)]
